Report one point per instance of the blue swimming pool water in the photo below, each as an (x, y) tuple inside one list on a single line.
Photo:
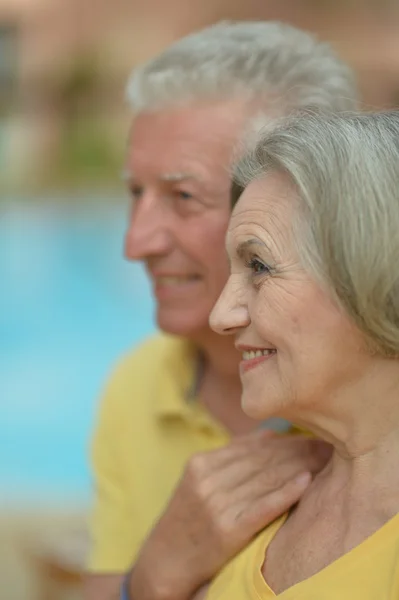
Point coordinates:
[(69, 305)]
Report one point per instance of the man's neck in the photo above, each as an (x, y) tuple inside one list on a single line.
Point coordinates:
[(220, 386)]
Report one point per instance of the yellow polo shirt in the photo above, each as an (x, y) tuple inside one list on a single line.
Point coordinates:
[(369, 571), (148, 427)]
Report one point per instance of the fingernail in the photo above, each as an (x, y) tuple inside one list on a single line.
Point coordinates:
[(303, 478)]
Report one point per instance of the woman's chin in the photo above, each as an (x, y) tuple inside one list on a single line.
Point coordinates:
[(257, 409)]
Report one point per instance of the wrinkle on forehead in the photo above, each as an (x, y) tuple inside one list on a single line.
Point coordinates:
[(274, 187), (268, 230), (266, 210), (189, 129)]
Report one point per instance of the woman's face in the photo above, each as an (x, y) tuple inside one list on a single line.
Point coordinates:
[(299, 349)]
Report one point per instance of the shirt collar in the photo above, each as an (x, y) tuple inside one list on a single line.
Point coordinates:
[(178, 381)]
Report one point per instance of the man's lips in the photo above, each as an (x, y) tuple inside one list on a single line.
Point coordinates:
[(173, 286), (173, 278)]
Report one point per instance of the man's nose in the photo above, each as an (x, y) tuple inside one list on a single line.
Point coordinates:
[(148, 232), (230, 313)]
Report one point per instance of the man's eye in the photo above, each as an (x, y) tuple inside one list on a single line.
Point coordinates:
[(258, 267), (136, 192), (182, 195)]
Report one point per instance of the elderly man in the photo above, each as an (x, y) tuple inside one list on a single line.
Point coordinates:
[(171, 410)]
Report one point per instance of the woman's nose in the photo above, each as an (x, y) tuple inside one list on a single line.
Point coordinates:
[(230, 312)]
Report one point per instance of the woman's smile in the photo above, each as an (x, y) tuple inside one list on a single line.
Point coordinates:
[(252, 357)]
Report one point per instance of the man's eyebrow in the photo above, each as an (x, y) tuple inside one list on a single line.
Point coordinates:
[(176, 177), (128, 177)]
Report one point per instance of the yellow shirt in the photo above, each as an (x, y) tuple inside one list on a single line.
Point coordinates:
[(368, 572), (149, 426)]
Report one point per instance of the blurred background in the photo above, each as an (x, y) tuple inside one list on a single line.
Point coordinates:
[(69, 304)]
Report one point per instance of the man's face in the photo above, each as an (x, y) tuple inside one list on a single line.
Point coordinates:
[(177, 166)]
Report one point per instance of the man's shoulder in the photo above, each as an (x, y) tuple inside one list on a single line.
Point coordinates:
[(139, 373), (147, 362), (150, 354)]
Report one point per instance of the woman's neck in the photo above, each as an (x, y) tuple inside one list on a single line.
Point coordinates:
[(357, 492), (362, 423), (359, 418), (355, 495), (350, 500), (360, 482)]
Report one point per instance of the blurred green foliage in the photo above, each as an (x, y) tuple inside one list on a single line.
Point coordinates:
[(88, 151)]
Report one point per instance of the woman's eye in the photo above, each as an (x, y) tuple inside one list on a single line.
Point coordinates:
[(258, 267)]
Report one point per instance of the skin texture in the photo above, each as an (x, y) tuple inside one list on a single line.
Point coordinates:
[(273, 303), (105, 586), (177, 166), (180, 185), (232, 492), (320, 374)]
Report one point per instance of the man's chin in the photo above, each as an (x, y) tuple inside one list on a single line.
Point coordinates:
[(181, 322)]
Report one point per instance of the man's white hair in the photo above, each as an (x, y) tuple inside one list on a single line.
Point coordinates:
[(346, 170), (276, 66)]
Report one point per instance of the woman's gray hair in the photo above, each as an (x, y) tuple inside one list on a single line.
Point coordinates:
[(274, 64), (346, 171)]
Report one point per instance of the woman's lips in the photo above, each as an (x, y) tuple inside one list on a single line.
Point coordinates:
[(252, 358)]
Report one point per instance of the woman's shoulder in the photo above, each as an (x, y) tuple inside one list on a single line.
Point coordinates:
[(242, 578)]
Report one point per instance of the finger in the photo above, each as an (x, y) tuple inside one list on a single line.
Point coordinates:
[(313, 453), (239, 447), (279, 463), (272, 459), (229, 477), (256, 470), (266, 482), (256, 515)]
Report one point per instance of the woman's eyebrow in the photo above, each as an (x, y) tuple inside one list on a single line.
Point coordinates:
[(242, 248)]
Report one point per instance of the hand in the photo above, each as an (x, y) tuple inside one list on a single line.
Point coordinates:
[(201, 593), (224, 498)]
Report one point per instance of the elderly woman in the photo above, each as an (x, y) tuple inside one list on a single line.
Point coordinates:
[(313, 302)]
